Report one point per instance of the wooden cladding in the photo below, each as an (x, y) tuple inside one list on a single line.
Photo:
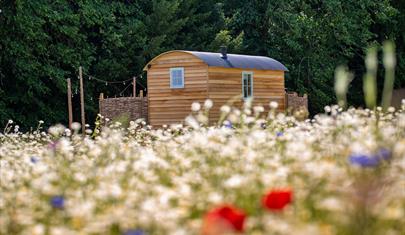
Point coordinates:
[(167, 105), (225, 83)]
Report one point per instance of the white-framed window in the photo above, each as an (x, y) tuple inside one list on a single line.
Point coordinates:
[(177, 77), (247, 84)]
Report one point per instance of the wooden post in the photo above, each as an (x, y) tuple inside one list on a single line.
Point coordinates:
[(141, 93), (82, 100), (134, 86), (69, 96), (100, 100), (286, 100)]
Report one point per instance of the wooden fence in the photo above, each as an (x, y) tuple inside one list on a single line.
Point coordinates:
[(132, 108), (295, 101)]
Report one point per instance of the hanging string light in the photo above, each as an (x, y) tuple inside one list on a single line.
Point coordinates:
[(124, 82), (91, 77), (116, 82)]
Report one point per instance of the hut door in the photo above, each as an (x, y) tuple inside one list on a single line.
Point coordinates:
[(247, 84)]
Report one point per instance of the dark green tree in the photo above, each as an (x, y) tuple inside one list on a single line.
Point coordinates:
[(312, 38), (41, 45), (45, 42)]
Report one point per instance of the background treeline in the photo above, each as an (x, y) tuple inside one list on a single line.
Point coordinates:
[(43, 42)]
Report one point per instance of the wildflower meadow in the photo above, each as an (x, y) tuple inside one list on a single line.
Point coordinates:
[(202, 117), (341, 172)]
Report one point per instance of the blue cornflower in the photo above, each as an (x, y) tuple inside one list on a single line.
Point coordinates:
[(364, 160), (57, 202), (228, 124), (134, 232), (371, 160), (279, 133), (384, 154), (34, 159)]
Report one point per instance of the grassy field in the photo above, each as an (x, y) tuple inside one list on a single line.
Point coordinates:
[(341, 172)]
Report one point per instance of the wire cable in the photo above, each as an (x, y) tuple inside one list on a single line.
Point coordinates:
[(91, 77), (121, 92), (140, 84), (106, 82)]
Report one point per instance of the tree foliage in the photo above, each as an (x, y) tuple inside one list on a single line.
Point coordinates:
[(44, 42)]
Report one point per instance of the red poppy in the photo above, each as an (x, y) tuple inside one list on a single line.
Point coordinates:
[(223, 219), (276, 200)]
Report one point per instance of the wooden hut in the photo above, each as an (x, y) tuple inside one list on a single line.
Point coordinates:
[(176, 79)]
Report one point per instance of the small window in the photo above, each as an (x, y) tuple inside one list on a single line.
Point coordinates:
[(177, 78), (247, 84)]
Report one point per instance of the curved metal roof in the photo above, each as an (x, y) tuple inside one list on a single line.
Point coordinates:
[(239, 61)]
